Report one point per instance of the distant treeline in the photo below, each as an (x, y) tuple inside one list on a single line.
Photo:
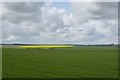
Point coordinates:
[(16, 44), (65, 44)]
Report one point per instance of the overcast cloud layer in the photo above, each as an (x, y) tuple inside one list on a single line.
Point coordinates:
[(41, 22)]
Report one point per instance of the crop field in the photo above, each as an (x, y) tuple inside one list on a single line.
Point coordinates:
[(65, 62), (43, 46)]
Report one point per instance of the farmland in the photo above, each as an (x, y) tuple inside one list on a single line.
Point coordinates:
[(73, 62)]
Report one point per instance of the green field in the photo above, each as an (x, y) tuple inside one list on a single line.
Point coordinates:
[(75, 62)]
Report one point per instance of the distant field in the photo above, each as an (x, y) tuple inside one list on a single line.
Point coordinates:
[(0, 62), (74, 62)]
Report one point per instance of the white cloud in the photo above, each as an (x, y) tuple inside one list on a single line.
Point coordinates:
[(94, 0), (98, 21), (44, 23)]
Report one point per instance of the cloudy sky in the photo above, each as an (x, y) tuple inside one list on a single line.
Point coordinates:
[(59, 22)]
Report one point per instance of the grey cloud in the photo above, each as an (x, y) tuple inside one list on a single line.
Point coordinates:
[(106, 10), (19, 12), (23, 7), (19, 18)]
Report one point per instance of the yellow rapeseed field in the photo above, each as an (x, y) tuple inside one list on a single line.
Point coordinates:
[(49, 46)]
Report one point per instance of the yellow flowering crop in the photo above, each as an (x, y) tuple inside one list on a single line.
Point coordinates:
[(43, 46)]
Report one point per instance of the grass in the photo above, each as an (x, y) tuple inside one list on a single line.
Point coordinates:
[(75, 62), (0, 62)]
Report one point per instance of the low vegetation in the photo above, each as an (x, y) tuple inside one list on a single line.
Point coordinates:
[(74, 62)]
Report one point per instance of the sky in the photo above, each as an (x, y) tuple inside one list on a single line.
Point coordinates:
[(59, 22)]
